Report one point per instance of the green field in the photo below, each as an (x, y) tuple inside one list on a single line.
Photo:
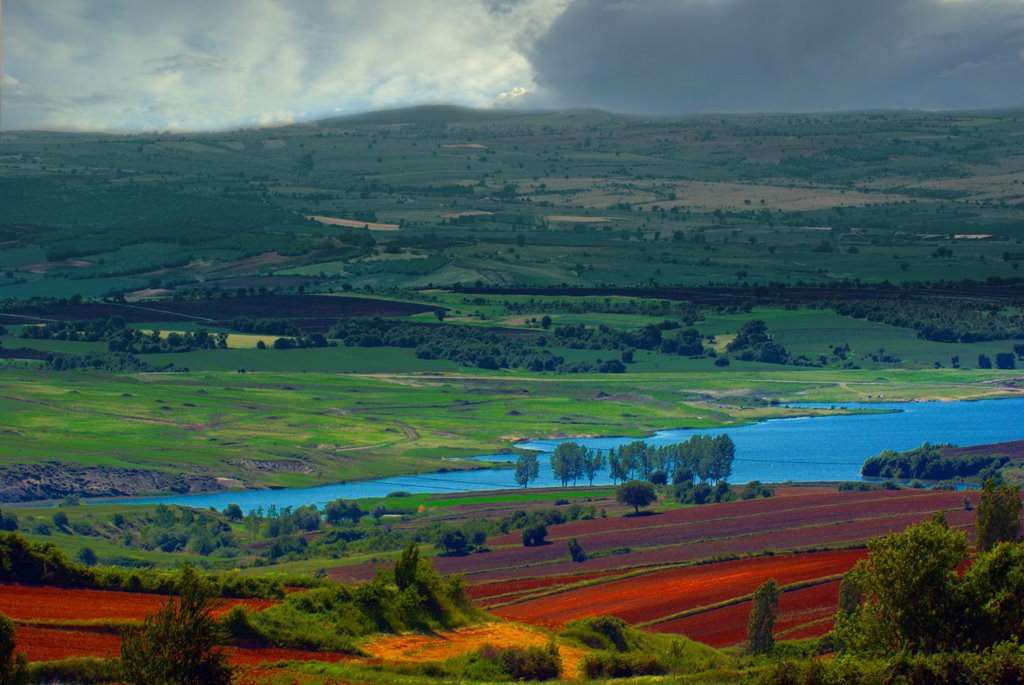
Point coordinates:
[(316, 428)]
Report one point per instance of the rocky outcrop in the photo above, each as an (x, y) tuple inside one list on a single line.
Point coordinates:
[(50, 480)]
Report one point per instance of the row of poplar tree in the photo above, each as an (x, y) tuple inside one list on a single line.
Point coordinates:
[(701, 458)]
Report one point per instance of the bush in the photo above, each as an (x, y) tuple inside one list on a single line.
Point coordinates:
[(535, 535), (85, 671), (615, 665), (531, 663), (576, 551), (12, 669), (608, 633)]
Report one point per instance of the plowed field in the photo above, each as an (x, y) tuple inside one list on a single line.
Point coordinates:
[(48, 644), (728, 626), (652, 596), (30, 602)]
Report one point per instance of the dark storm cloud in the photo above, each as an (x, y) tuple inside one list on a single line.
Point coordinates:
[(663, 56)]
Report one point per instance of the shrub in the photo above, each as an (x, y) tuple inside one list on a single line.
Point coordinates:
[(616, 665), (531, 663), (85, 671), (535, 535), (576, 551), (601, 632), (12, 669)]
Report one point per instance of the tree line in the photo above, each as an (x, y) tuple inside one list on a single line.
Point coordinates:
[(927, 462), (702, 458), (120, 337)]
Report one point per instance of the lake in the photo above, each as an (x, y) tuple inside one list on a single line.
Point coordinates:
[(829, 448)]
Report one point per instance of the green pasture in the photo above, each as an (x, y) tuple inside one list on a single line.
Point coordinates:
[(316, 428)]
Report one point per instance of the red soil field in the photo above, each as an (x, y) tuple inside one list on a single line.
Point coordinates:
[(44, 644), (728, 626), (500, 591), (660, 594), (28, 602)]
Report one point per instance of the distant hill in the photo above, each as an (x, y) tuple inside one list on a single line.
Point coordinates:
[(423, 114)]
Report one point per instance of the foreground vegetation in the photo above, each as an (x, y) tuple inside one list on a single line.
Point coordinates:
[(913, 611)]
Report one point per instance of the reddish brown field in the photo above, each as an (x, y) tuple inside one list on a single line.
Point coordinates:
[(648, 597), (796, 518), (28, 602), (48, 644), (488, 594), (728, 626), (45, 644)]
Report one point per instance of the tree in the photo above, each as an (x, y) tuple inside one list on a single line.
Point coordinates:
[(177, 644), (1006, 360), (13, 669), (910, 589), (617, 466), (534, 535), (576, 551), (567, 462), (453, 541), (998, 515), (527, 469), (636, 493), (984, 361), (60, 519), (234, 512), (763, 613), (406, 565), (594, 462), (87, 556), (8, 522)]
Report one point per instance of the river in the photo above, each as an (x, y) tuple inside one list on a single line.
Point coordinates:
[(828, 448)]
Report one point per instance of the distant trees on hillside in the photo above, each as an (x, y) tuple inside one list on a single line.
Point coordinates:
[(752, 343)]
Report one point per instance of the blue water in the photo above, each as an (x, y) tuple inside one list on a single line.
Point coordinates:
[(830, 448)]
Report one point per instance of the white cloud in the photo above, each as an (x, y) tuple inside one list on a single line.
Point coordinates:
[(196, 64)]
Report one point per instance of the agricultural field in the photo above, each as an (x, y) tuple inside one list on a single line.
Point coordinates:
[(398, 200)]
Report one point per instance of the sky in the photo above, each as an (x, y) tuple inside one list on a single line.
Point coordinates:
[(127, 65)]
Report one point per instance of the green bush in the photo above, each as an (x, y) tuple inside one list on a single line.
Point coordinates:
[(85, 671), (1003, 663), (531, 663), (603, 632), (12, 669), (534, 535), (576, 551), (617, 665)]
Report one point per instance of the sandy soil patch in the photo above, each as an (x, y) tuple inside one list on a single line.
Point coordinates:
[(573, 219), (472, 212), (706, 195), (349, 223), (146, 294), (45, 267)]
